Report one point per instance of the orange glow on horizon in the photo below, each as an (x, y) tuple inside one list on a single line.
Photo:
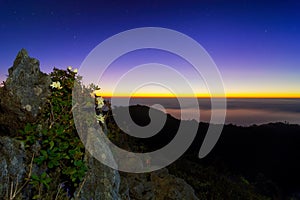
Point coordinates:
[(228, 95)]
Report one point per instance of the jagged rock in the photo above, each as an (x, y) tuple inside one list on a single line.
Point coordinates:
[(158, 185), (23, 94), (101, 181), (15, 165), (12, 166), (27, 83)]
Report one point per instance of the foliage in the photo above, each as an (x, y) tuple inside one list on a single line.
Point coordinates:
[(60, 151)]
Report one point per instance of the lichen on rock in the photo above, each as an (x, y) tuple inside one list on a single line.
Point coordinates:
[(27, 83), (25, 91)]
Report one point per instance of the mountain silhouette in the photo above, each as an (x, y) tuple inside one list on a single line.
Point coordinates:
[(271, 149)]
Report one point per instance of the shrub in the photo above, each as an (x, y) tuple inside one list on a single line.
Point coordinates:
[(60, 151)]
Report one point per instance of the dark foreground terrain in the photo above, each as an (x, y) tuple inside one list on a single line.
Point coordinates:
[(252, 160)]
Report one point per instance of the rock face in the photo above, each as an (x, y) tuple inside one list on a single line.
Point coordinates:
[(12, 165), (27, 83), (158, 185), (24, 92), (101, 182)]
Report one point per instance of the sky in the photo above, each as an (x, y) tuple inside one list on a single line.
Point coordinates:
[(254, 44)]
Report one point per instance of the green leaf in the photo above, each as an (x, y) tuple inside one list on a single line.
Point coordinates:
[(78, 163), (50, 165), (36, 197), (28, 128), (44, 131), (54, 149), (51, 144), (72, 171), (45, 141), (44, 174), (46, 184), (44, 153), (35, 177)]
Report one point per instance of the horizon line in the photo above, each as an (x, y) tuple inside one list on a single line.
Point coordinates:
[(206, 97), (258, 95)]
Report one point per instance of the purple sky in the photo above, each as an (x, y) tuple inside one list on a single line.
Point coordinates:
[(255, 45)]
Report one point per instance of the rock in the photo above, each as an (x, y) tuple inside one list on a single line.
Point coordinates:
[(158, 185), (12, 165), (171, 187), (124, 189), (25, 91), (27, 83), (101, 181), (129, 161)]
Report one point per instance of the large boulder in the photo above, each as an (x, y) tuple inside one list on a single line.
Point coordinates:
[(12, 166), (27, 83), (101, 181), (24, 93), (158, 185)]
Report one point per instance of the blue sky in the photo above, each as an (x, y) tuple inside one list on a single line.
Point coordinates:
[(255, 44)]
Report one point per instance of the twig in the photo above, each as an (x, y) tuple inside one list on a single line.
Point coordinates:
[(11, 189), (52, 114), (59, 189), (80, 188), (13, 194), (73, 108)]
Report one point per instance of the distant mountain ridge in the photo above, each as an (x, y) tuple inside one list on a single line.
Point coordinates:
[(271, 149)]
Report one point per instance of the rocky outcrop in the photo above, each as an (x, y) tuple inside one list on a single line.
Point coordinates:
[(158, 185), (12, 166), (23, 94), (27, 83), (100, 182), (21, 98)]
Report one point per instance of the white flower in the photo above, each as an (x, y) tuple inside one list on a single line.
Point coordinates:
[(100, 102), (56, 85), (100, 118), (92, 95), (53, 85), (28, 107), (75, 70), (70, 68)]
